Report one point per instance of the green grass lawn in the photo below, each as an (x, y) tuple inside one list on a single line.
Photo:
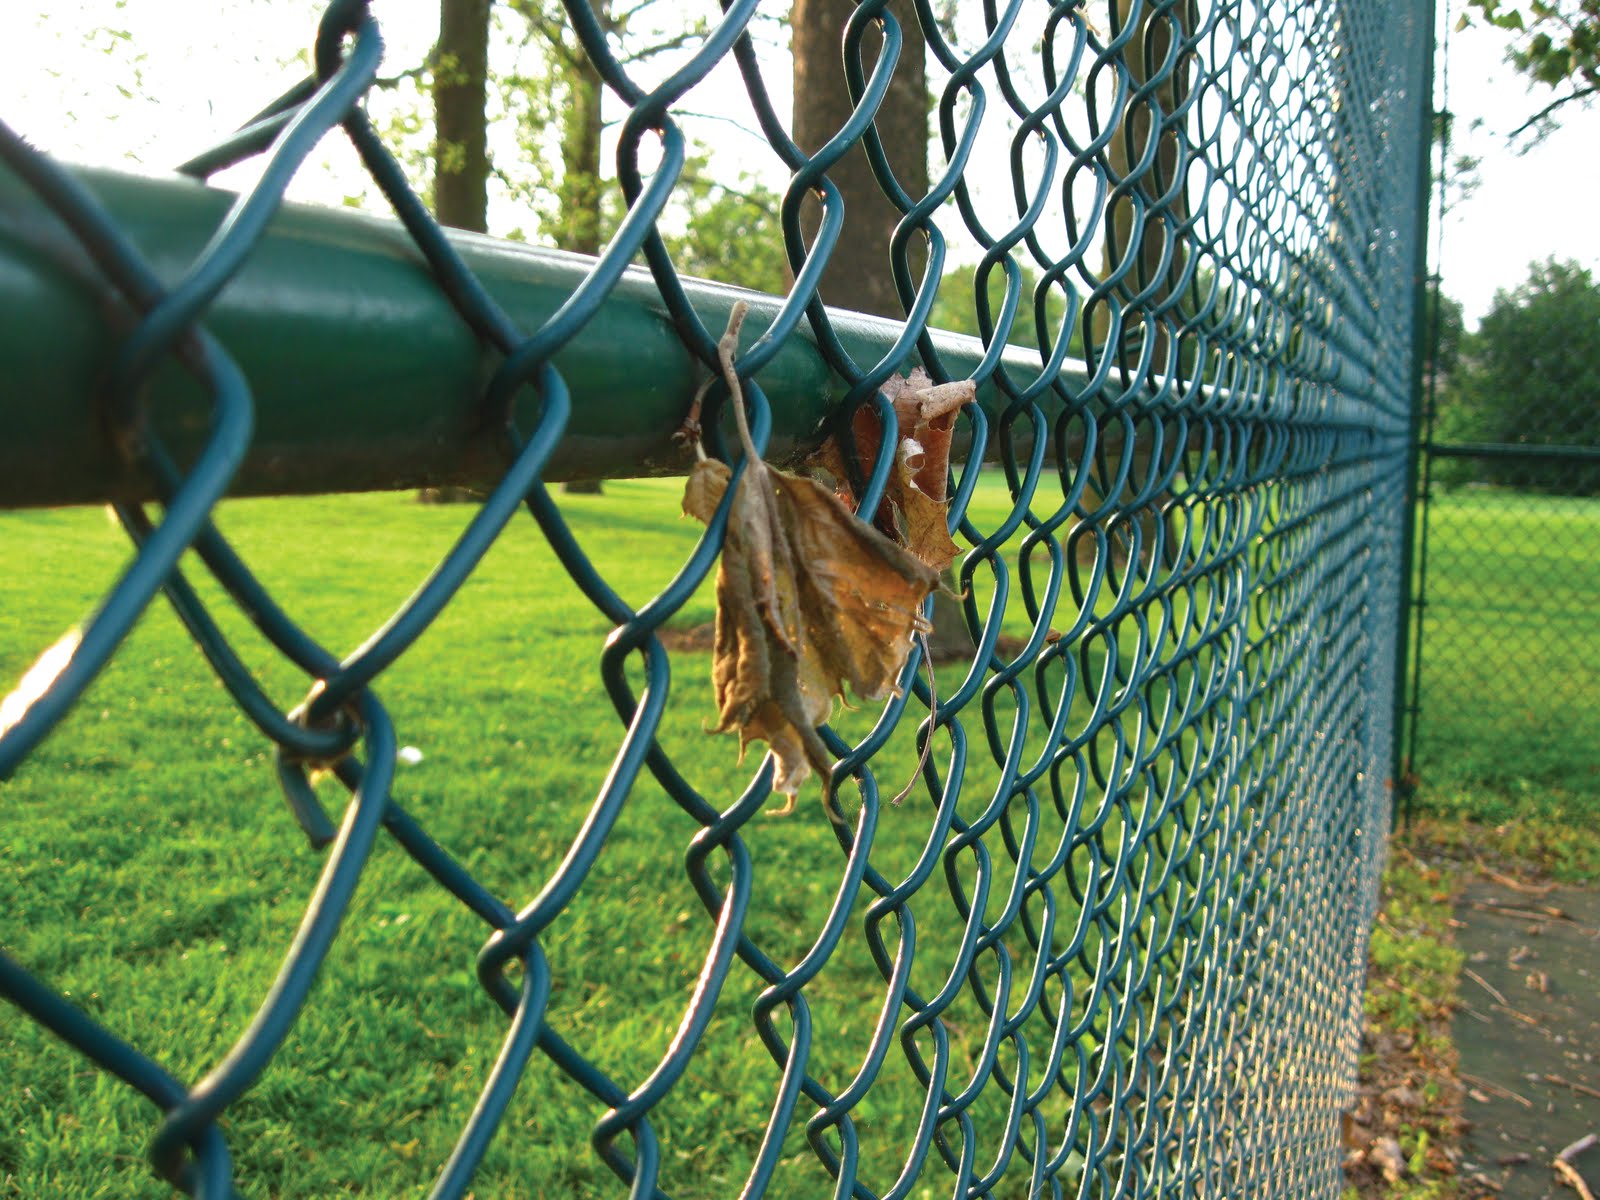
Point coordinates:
[(150, 870), (1510, 725)]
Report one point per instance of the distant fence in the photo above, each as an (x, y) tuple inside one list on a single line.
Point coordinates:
[(1152, 812), (1505, 693)]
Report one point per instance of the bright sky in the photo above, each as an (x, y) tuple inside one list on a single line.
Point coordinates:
[(185, 74), (1525, 208)]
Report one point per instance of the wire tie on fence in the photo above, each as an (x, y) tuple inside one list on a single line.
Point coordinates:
[(293, 765), (689, 433), (347, 717)]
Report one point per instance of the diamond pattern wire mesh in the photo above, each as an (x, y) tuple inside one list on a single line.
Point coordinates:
[(1509, 580), (1509, 636), (1125, 951)]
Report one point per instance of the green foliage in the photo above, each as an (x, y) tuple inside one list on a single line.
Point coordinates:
[(1530, 375), (554, 98), (732, 232), (1451, 328), (1413, 971), (1413, 966), (545, 123), (955, 308), (1555, 44), (1560, 845)]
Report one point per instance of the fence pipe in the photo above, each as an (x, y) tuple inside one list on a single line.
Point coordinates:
[(1513, 450), (1400, 777), (364, 378)]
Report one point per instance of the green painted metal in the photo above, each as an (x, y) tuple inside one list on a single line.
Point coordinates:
[(363, 378), (1422, 338), (1548, 452), (1113, 943)]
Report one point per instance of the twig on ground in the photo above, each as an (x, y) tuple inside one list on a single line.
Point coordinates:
[(1587, 1142), (1516, 885), (1489, 1086), (1565, 1170), (1519, 1015), (1572, 1179), (1545, 912), (1484, 984), (1582, 1089)]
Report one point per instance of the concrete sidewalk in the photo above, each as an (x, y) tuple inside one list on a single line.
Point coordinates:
[(1528, 1032)]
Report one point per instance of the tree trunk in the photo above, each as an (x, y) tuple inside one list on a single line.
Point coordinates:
[(1148, 237), (579, 230), (460, 91), (580, 190), (461, 144), (858, 275)]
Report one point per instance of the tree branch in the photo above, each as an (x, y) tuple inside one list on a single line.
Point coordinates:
[(671, 43), (551, 33), (622, 18), (1580, 94), (389, 82), (680, 113), (760, 203)]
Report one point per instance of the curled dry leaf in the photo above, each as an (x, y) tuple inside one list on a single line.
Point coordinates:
[(915, 502), (809, 599)]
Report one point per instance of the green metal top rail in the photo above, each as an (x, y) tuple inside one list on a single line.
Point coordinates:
[(362, 378)]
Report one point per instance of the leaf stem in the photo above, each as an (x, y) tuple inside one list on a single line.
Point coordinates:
[(726, 349)]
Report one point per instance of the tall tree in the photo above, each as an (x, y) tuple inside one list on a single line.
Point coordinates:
[(460, 140), (460, 92), (858, 274), (578, 220), (562, 107), (576, 92), (1139, 231), (580, 150), (1141, 234), (1442, 314), (1530, 376), (461, 144)]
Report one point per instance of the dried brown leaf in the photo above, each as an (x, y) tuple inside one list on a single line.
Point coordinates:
[(1386, 1155), (916, 500), (809, 599)]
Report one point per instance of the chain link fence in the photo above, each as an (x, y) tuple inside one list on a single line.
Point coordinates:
[(1113, 942), (1507, 691)]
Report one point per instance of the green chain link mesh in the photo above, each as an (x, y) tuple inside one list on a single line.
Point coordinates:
[(1152, 820)]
